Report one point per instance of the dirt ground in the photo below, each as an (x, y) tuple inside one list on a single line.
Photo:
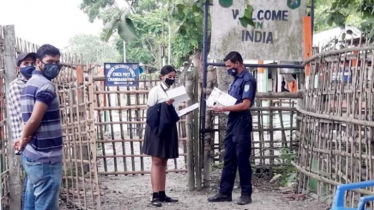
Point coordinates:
[(134, 192)]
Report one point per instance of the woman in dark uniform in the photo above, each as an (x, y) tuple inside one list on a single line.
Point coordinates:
[(161, 146)]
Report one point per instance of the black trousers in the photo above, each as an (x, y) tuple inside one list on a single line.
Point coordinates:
[(237, 154)]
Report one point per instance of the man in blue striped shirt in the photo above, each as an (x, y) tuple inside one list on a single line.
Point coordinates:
[(41, 139)]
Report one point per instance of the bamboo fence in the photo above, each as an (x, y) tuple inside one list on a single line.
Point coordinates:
[(80, 188), (336, 129), (274, 128), (120, 125), (75, 91)]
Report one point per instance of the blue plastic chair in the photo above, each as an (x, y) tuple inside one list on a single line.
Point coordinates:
[(340, 195)]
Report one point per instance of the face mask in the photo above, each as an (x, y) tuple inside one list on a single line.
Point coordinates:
[(169, 82), (232, 72), (51, 71), (27, 71)]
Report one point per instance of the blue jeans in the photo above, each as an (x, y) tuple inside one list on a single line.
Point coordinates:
[(42, 185)]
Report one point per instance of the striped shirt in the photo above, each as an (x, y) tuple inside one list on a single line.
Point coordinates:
[(46, 142)]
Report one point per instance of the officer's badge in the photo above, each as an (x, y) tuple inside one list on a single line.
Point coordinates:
[(246, 88)]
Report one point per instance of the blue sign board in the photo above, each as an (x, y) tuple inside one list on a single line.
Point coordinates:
[(121, 74)]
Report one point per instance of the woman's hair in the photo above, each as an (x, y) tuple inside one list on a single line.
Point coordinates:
[(166, 70)]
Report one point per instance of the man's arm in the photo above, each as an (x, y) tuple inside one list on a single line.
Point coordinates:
[(13, 112), (245, 105), (31, 126), (247, 96), (44, 97), (36, 118)]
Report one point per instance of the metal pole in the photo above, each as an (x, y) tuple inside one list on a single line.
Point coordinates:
[(202, 99), (205, 65), (288, 66)]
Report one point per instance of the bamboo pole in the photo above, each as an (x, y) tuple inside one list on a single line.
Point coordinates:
[(271, 133), (121, 129), (139, 172), (139, 126), (130, 129), (80, 147), (284, 144), (292, 125), (93, 144), (112, 134), (190, 137), (74, 149), (198, 144), (101, 131)]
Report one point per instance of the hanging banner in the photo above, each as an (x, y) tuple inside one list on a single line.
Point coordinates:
[(121, 74), (277, 33)]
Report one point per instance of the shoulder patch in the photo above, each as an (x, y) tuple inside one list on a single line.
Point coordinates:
[(246, 88)]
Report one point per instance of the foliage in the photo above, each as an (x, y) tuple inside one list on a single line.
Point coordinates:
[(245, 16), (189, 38), (145, 28), (332, 13), (115, 18), (93, 49), (144, 6), (145, 48), (287, 170)]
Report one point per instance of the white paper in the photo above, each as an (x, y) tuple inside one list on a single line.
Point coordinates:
[(217, 97), (187, 110), (179, 95)]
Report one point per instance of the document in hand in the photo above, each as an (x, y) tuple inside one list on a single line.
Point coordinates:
[(179, 95), (187, 110), (218, 97)]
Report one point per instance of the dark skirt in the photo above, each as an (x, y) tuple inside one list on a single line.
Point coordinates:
[(161, 146)]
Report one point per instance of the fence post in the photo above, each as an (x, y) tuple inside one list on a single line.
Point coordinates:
[(191, 141), (15, 186)]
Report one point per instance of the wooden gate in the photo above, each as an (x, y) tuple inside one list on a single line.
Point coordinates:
[(80, 180), (120, 121)]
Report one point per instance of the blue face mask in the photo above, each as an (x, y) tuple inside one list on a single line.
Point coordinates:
[(51, 71), (232, 71), (27, 71)]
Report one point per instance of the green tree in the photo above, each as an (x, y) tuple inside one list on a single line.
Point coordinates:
[(332, 13), (146, 48), (188, 18), (93, 49), (146, 27)]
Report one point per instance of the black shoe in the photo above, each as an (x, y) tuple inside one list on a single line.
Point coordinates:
[(220, 198), (156, 202), (167, 199), (244, 200)]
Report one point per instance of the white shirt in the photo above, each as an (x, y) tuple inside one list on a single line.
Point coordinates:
[(157, 94)]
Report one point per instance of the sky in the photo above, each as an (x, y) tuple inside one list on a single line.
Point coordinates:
[(47, 21)]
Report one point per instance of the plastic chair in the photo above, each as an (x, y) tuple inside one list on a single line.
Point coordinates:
[(338, 203)]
